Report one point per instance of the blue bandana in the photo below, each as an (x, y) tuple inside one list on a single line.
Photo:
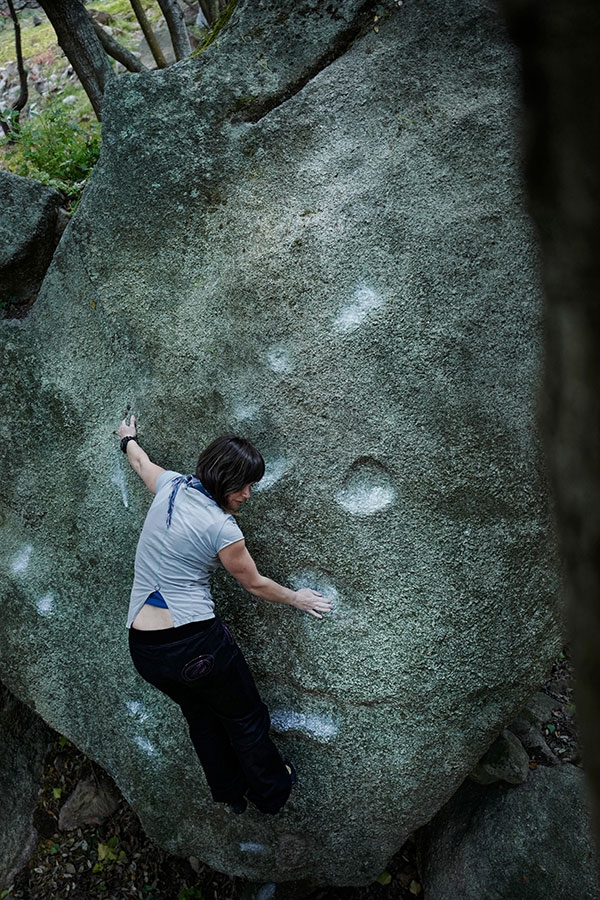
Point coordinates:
[(190, 481)]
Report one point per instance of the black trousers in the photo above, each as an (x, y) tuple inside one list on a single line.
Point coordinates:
[(203, 670)]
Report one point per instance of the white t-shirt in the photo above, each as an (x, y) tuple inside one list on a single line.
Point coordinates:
[(178, 560)]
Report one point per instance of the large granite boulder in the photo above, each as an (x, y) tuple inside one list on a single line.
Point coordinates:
[(313, 234), (28, 234), (533, 841)]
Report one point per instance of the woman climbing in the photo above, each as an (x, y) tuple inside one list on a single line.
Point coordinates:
[(178, 644)]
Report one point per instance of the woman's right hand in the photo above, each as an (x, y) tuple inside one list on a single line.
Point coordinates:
[(312, 602)]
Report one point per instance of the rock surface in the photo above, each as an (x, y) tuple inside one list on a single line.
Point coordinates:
[(532, 841), (312, 234), (28, 234), (506, 760), (89, 804), (23, 744)]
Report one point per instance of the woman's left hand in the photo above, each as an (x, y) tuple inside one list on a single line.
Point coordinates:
[(126, 430), (312, 602)]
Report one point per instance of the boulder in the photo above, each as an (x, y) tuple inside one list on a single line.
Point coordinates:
[(532, 841), (313, 234), (91, 803), (23, 747), (528, 727), (506, 760), (28, 235)]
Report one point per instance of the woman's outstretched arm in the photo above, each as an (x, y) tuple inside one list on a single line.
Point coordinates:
[(139, 460), (240, 564)]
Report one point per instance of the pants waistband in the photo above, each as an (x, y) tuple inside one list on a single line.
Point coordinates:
[(170, 635)]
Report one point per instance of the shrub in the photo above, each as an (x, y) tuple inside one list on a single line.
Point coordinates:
[(55, 149)]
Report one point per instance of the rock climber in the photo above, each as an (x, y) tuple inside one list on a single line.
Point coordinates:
[(178, 644)]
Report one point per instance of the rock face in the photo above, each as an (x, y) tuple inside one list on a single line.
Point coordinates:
[(23, 745), (28, 234), (532, 841), (311, 234), (506, 760)]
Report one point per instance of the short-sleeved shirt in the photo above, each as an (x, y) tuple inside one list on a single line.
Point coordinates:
[(178, 560)]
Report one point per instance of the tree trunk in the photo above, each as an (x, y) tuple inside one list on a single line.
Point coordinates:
[(559, 44), (76, 35), (149, 34), (21, 100), (177, 28), (117, 51), (211, 10)]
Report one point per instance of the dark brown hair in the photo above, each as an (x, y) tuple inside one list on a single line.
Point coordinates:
[(227, 465)]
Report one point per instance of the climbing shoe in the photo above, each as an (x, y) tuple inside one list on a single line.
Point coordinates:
[(291, 771)]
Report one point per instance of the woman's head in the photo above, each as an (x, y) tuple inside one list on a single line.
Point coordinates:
[(228, 465)]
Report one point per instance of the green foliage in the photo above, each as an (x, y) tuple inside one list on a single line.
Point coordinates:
[(189, 893), (55, 149)]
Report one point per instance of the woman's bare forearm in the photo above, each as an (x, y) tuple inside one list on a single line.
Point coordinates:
[(139, 460)]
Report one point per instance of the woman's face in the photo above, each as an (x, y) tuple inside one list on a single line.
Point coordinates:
[(235, 500)]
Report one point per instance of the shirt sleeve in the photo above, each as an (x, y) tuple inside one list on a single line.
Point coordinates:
[(230, 533), (165, 478)]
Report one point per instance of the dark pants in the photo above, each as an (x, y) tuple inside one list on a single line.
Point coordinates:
[(202, 669)]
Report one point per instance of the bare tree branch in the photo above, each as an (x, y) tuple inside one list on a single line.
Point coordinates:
[(117, 51), (23, 92), (149, 34), (76, 35), (177, 29)]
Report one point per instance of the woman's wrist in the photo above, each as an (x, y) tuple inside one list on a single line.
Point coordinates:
[(125, 441)]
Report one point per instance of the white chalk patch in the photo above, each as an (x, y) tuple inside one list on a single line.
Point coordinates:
[(274, 470), (144, 744), (322, 728), (266, 891), (364, 301), (279, 360), (21, 560), (317, 583), (245, 411), (45, 604), (137, 710), (251, 847), (364, 500), (118, 478)]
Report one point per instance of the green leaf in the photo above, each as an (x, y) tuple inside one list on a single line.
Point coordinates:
[(97, 868), (551, 728), (384, 878), (63, 741), (56, 792), (106, 852)]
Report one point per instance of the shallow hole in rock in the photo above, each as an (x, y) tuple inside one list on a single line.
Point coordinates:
[(367, 488)]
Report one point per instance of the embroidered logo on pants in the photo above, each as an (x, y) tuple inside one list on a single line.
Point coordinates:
[(198, 668)]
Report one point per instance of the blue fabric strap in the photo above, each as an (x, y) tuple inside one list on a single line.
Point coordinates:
[(190, 482)]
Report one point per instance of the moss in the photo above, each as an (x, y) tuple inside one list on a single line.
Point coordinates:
[(243, 101), (211, 34)]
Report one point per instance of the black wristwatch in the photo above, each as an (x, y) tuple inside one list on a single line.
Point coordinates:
[(125, 441)]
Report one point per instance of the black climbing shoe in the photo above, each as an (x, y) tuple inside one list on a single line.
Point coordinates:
[(237, 808), (291, 771)]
